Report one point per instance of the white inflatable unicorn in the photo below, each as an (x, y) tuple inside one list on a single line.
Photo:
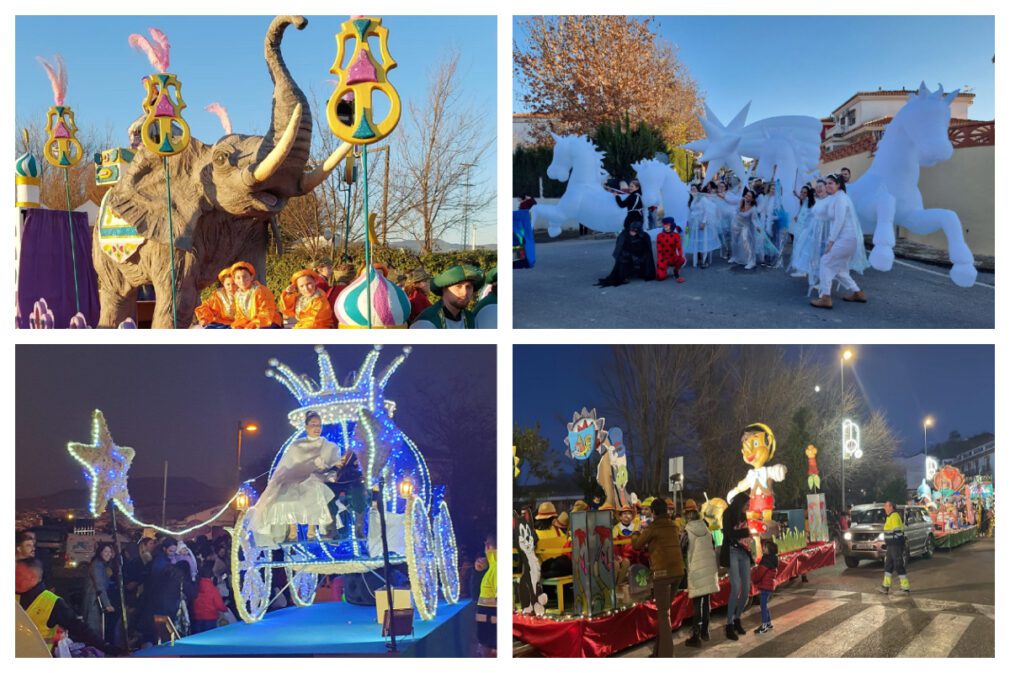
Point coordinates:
[(888, 193), (577, 162), (661, 185)]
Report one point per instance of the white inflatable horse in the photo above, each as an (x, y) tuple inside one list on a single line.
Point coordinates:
[(577, 162), (888, 193), (661, 185)]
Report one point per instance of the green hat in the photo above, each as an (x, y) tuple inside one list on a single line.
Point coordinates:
[(491, 276), (457, 274)]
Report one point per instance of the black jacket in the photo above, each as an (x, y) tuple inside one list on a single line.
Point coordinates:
[(64, 616)]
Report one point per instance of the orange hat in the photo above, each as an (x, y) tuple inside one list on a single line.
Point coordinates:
[(580, 506), (243, 265), (626, 508), (690, 505), (670, 505), (562, 521), (607, 507), (223, 273), (304, 272)]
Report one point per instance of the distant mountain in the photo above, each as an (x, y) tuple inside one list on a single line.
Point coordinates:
[(185, 496), (439, 245)]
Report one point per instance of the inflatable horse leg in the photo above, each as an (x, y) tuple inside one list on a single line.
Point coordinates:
[(962, 270), (548, 215), (882, 255)]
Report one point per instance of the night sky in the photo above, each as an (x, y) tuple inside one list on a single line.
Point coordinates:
[(183, 403), (953, 384)]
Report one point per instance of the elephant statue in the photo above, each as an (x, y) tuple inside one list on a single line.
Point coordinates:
[(226, 197)]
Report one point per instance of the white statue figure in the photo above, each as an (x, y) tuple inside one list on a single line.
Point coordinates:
[(661, 185), (577, 162), (888, 193)]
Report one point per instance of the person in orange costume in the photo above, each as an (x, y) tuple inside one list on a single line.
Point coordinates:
[(218, 311), (255, 307), (305, 301)]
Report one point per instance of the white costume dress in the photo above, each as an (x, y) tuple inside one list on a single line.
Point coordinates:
[(297, 492), (702, 227), (844, 236), (745, 235)]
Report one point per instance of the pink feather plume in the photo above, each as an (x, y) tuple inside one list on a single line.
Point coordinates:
[(57, 77), (156, 53), (222, 114)]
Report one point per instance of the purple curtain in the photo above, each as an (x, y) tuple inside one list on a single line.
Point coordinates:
[(46, 269)]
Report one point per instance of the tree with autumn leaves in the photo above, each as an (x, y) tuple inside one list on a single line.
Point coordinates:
[(587, 71)]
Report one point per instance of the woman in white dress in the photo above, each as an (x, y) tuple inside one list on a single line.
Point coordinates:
[(744, 232), (702, 227), (297, 493), (844, 234), (799, 261)]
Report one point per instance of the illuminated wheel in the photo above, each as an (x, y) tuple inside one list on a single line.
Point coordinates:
[(422, 562), (303, 582), (446, 553), (250, 578)]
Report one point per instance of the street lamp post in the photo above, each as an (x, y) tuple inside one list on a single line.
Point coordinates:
[(846, 355), (927, 422), (242, 427)]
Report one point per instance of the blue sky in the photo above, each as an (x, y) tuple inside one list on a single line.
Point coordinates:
[(221, 59), (808, 65)]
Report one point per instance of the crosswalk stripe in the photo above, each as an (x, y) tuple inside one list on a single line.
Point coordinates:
[(794, 618), (838, 640), (935, 605), (939, 637), (833, 593), (987, 610)]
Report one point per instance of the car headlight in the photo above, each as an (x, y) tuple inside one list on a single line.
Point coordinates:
[(847, 536), (880, 537)]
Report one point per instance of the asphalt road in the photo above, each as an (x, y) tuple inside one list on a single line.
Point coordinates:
[(838, 613), (559, 293)]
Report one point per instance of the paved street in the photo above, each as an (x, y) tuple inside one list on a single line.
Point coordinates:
[(559, 293), (838, 613)]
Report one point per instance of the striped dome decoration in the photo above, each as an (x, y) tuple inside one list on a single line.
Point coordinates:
[(26, 166), (390, 306)]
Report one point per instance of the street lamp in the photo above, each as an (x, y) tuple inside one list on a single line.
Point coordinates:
[(846, 356), (242, 427), (927, 422)]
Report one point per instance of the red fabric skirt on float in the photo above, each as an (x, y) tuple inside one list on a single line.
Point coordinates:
[(608, 634)]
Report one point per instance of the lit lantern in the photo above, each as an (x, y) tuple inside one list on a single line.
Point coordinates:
[(406, 488)]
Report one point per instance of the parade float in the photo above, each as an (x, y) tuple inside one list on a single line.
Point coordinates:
[(949, 500), (605, 619), (404, 522), (176, 210)]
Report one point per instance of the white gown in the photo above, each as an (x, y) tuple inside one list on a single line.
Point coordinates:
[(744, 237), (297, 492), (703, 212), (846, 234)]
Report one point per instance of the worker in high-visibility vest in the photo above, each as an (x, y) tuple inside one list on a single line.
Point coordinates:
[(487, 600), (52, 616), (894, 561)]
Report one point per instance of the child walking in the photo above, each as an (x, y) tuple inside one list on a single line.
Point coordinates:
[(764, 579)]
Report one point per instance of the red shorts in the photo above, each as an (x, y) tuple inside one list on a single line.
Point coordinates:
[(761, 502)]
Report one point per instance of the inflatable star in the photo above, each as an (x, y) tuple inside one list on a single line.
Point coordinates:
[(721, 145), (105, 467)]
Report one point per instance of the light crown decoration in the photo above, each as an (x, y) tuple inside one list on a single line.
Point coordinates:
[(333, 402)]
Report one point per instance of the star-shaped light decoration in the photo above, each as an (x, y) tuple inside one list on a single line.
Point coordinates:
[(721, 145), (105, 467)]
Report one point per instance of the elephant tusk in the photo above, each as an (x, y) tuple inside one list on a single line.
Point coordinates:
[(315, 178), (279, 154)]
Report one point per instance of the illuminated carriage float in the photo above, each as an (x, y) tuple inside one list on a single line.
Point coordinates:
[(419, 531)]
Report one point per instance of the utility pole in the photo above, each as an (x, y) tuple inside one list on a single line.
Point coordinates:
[(466, 204)]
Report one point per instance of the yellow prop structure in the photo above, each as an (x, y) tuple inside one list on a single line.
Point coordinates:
[(361, 78), (164, 113), (62, 149)]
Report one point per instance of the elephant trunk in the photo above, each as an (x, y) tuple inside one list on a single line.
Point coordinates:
[(285, 151)]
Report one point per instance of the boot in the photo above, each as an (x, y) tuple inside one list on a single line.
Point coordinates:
[(857, 296), (704, 632), (695, 639), (821, 302), (738, 625), (731, 632)]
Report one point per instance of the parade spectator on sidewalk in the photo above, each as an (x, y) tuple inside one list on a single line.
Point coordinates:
[(662, 540), (702, 571), (24, 545), (208, 604), (98, 588), (736, 555)]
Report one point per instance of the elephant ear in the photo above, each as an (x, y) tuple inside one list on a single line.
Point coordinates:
[(141, 196)]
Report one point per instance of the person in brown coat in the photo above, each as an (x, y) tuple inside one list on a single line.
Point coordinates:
[(661, 539)]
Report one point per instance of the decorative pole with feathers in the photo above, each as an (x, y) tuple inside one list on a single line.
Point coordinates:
[(62, 149), (360, 77), (163, 131)]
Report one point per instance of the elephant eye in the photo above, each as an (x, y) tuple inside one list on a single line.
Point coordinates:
[(220, 158)]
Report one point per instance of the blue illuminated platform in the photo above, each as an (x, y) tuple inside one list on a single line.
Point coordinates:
[(330, 630)]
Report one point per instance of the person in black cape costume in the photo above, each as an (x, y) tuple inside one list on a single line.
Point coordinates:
[(633, 257)]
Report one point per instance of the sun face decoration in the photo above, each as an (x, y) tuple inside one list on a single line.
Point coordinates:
[(757, 445)]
